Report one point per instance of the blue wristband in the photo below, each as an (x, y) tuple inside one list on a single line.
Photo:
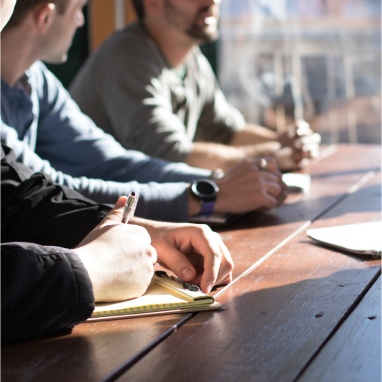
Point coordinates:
[(207, 208)]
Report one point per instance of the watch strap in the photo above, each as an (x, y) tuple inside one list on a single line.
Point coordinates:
[(207, 207)]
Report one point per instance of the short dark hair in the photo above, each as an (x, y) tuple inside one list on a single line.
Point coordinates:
[(22, 8), (139, 8)]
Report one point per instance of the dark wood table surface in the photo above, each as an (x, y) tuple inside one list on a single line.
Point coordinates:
[(296, 310)]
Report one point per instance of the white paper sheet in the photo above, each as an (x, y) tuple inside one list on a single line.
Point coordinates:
[(297, 182), (363, 238)]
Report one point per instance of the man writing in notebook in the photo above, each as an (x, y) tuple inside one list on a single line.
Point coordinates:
[(49, 133), (153, 90), (47, 286)]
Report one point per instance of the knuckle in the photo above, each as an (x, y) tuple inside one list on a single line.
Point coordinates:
[(217, 236), (263, 195), (218, 256), (272, 203), (152, 253), (262, 183), (205, 230), (257, 181)]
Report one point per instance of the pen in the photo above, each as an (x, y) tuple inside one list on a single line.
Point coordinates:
[(130, 206)]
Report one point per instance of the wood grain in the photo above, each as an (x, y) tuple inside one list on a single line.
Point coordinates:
[(94, 351), (254, 235), (353, 354), (276, 318), (88, 353)]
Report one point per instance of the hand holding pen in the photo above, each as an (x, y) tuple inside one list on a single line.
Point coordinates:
[(118, 257)]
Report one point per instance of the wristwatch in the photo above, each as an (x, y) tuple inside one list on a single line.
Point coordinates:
[(205, 191)]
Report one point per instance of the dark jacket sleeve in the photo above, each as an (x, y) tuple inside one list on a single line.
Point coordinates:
[(35, 209), (45, 286), (43, 289)]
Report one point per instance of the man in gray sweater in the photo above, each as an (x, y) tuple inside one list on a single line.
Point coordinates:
[(152, 89)]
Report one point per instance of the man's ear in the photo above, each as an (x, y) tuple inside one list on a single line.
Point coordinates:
[(43, 15)]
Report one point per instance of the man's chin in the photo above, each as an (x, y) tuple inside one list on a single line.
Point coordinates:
[(203, 35)]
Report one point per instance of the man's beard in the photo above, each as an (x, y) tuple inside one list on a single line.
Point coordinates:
[(206, 34), (201, 34)]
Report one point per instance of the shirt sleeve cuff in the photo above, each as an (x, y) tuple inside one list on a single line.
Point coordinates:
[(85, 297)]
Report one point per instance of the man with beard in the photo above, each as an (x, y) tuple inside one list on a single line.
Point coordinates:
[(153, 90)]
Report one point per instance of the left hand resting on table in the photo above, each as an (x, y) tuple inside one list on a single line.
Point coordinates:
[(193, 252)]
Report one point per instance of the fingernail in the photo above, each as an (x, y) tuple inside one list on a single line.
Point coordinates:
[(187, 274), (209, 287)]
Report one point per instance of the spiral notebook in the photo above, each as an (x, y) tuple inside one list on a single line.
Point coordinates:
[(165, 295)]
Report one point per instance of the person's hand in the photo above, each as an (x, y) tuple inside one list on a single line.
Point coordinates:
[(246, 187), (287, 158), (299, 144), (118, 257), (193, 252)]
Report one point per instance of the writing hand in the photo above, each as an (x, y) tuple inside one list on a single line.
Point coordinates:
[(118, 257)]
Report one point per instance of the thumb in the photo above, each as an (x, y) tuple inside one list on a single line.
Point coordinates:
[(115, 215)]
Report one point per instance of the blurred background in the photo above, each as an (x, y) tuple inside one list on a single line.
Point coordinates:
[(280, 60)]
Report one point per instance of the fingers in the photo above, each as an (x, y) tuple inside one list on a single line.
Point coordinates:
[(225, 271), (271, 165), (283, 194), (218, 263), (271, 184), (115, 215), (153, 255), (286, 160), (313, 138), (202, 249), (224, 275), (177, 262), (204, 242)]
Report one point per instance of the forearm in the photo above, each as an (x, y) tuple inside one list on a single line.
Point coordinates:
[(178, 210), (161, 201), (253, 134), (157, 201), (213, 155)]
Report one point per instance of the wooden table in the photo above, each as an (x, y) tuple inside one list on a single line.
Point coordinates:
[(296, 311)]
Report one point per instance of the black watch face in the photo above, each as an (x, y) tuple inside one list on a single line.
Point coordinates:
[(205, 189)]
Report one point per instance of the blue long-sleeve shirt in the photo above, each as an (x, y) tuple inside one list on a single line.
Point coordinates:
[(49, 133)]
